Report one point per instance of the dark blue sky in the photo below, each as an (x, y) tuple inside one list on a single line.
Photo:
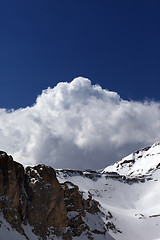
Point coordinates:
[(113, 43)]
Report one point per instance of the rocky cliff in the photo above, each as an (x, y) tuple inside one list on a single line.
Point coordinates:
[(34, 197)]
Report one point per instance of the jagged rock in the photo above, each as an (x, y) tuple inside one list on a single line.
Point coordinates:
[(77, 209), (33, 196), (46, 206), (13, 201)]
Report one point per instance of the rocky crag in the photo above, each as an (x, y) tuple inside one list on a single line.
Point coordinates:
[(34, 197)]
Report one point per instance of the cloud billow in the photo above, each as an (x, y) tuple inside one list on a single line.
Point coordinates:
[(78, 125)]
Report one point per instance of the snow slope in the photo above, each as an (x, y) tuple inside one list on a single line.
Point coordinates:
[(129, 191), (7, 232), (139, 163)]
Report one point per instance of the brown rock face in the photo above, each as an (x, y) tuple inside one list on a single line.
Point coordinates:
[(46, 206), (33, 196), (13, 201)]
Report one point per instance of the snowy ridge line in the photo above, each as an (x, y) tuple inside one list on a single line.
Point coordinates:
[(139, 163), (94, 176)]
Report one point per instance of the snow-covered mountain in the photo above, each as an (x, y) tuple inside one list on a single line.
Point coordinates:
[(139, 163), (121, 202), (129, 191)]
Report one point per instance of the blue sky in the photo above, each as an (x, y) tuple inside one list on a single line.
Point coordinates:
[(113, 43)]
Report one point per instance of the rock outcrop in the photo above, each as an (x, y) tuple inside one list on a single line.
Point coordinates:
[(78, 212), (13, 200), (46, 208), (34, 197)]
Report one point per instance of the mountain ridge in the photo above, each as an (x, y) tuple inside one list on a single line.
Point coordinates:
[(42, 203), (138, 163)]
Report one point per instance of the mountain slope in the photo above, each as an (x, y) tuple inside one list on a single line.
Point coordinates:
[(129, 190), (141, 162), (121, 202)]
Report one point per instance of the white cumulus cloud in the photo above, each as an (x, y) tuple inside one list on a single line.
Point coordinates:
[(78, 125)]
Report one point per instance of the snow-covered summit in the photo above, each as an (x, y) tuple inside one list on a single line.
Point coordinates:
[(139, 163)]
